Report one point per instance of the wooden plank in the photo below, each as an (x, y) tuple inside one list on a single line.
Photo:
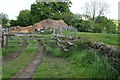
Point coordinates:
[(27, 46), (22, 46), (22, 42), (33, 38), (66, 50), (22, 38), (58, 40), (15, 46), (69, 43), (26, 35), (9, 35), (30, 35), (58, 44), (33, 42)]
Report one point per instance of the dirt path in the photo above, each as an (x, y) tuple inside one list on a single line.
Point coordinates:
[(29, 70), (12, 56)]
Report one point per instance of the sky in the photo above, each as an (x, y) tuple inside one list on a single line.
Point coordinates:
[(13, 7)]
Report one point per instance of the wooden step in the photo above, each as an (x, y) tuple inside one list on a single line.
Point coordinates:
[(58, 40), (66, 50), (58, 44), (70, 43)]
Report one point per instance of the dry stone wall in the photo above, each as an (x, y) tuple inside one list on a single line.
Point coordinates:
[(105, 49), (111, 52)]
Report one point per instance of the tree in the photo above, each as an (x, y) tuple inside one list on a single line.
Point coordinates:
[(24, 18), (45, 10), (108, 24), (4, 18), (66, 16), (99, 28), (13, 23), (95, 9), (118, 28)]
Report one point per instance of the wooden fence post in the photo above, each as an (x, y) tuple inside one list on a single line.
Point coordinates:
[(61, 31), (24, 42), (2, 39), (7, 41), (54, 31)]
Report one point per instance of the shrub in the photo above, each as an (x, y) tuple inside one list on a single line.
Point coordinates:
[(82, 43)]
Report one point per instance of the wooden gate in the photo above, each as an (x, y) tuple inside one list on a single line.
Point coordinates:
[(22, 40)]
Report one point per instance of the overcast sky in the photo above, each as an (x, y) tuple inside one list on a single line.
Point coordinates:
[(13, 7)]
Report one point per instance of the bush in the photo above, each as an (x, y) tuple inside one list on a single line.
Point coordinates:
[(82, 43)]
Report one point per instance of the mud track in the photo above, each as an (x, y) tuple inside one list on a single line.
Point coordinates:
[(29, 70)]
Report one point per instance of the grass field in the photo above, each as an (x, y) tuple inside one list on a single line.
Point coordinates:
[(110, 39)]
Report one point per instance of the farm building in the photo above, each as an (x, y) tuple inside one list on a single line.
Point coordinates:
[(43, 25)]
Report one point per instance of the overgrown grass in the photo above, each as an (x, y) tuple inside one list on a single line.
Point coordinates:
[(56, 51), (82, 63), (91, 65), (10, 68), (54, 68)]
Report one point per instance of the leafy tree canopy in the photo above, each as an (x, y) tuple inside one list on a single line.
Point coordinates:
[(108, 24), (4, 20), (24, 18), (13, 23), (45, 10)]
